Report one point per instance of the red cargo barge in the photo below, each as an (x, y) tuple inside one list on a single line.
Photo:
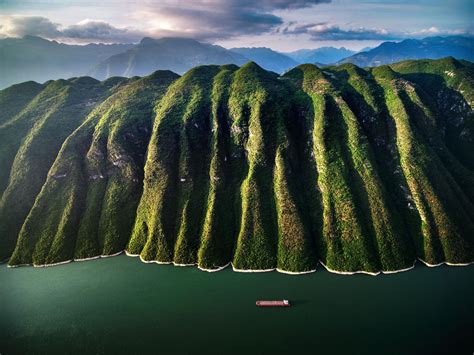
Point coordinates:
[(282, 303)]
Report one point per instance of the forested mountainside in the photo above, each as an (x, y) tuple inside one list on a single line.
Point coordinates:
[(361, 169)]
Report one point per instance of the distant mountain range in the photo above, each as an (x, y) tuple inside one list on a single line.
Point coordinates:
[(175, 54), (428, 48), (268, 58), (37, 59), (323, 55)]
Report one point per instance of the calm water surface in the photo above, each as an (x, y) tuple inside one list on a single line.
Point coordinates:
[(120, 305)]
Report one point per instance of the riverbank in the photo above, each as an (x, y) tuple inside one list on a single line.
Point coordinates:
[(220, 268)]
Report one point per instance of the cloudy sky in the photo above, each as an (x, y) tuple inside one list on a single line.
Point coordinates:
[(280, 24)]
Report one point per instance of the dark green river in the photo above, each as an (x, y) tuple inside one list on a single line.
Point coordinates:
[(120, 305)]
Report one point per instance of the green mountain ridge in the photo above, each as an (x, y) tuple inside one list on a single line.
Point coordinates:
[(361, 169)]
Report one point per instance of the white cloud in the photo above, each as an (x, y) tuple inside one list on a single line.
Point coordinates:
[(325, 31), (200, 19), (432, 31), (19, 26), (84, 31), (97, 30)]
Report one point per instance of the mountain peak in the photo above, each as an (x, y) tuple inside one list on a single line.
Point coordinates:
[(147, 40), (33, 38), (162, 75), (251, 65)]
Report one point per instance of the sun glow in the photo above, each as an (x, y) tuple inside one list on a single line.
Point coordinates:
[(162, 24)]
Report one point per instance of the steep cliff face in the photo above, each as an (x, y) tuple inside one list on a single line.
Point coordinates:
[(363, 170)]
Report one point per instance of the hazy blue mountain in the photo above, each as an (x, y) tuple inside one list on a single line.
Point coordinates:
[(37, 59), (323, 55), (428, 48), (267, 58), (175, 54), (365, 49)]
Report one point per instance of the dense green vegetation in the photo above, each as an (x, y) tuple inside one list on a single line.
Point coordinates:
[(31, 139), (363, 169)]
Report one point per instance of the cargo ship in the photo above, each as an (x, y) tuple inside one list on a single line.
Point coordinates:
[(281, 303)]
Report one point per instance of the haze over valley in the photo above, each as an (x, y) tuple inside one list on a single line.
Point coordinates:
[(37, 59)]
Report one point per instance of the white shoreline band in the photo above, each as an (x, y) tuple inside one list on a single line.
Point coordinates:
[(19, 265), (110, 255), (446, 263), (348, 272), (219, 268), (250, 270), (53, 264), (295, 272), (368, 272)]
